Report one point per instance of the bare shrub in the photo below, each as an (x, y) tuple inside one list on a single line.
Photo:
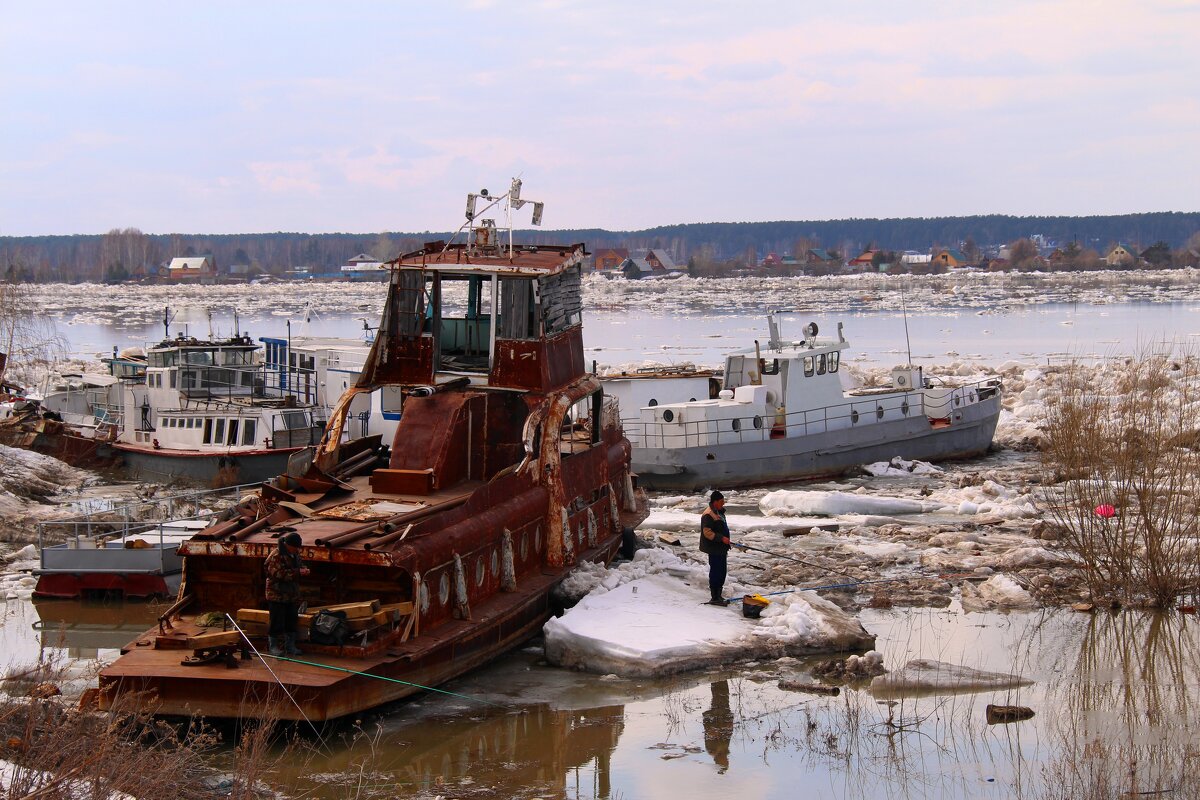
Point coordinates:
[(60, 752), (1117, 436)]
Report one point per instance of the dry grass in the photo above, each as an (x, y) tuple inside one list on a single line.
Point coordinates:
[(1128, 448)]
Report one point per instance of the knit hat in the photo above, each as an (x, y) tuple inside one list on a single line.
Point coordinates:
[(714, 497), (292, 539)]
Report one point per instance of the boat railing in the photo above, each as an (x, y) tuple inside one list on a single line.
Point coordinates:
[(937, 407), (92, 529)]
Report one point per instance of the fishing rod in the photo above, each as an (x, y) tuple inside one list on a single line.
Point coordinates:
[(791, 558), (384, 678), (942, 576)]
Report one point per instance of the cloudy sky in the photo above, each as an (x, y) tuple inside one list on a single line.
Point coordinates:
[(367, 116)]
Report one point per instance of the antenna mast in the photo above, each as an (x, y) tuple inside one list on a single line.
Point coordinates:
[(904, 311), (511, 199)]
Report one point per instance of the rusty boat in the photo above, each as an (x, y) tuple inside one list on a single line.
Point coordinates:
[(508, 468)]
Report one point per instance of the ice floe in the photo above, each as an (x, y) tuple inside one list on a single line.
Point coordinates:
[(652, 619), (922, 676)]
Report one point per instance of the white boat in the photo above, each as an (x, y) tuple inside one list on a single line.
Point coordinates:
[(784, 415)]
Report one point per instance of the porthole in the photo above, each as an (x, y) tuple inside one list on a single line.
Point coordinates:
[(524, 546), (652, 402), (736, 424), (958, 401), (480, 571), (423, 597), (444, 589), (495, 564), (854, 417), (878, 412), (904, 408), (692, 400), (537, 540), (758, 422), (668, 416)]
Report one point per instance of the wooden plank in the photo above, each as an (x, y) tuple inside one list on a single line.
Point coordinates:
[(353, 610)]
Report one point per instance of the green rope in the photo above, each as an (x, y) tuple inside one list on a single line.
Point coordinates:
[(382, 678)]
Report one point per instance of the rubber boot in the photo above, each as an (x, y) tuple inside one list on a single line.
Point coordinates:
[(289, 645), (276, 645), (717, 600)]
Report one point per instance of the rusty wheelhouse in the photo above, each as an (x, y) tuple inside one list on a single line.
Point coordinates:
[(508, 467)]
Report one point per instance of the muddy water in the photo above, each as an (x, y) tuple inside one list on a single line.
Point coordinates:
[(1126, 679)]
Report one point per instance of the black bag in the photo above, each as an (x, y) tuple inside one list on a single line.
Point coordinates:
[(329, 627)]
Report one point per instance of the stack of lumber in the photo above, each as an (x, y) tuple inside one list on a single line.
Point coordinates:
[(362, 616)]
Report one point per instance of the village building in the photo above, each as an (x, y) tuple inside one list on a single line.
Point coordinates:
[(609, 258), (644, 263), (951, 259), (194, 269), (864, 261), (364, 267), (1122, 255)]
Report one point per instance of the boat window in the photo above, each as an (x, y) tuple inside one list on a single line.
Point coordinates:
[(155, 360), (821, 364), (174, 378), (208, 431), (517, 306), (561, 299), (770, 367), (808, 366), (248, 431), (736, 424), (834, 357), (201, 357), (295, 420), (233, 432), (218, 431), (581, 425)]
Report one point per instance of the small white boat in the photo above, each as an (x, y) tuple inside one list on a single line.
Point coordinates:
[(784, 415)]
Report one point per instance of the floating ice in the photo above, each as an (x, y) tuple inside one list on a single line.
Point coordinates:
[(659, 624), (922, 676), (997, 592), (833, 504), (899, 468)]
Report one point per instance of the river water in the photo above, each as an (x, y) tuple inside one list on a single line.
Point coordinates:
[(1119, 684)]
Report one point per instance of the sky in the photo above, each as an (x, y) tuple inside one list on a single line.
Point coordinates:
[(234, 117)]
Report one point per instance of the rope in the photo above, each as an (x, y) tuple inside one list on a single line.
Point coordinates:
[(383, 678), (276, 677)]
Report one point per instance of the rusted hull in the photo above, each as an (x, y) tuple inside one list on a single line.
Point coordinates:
[(320, 694)]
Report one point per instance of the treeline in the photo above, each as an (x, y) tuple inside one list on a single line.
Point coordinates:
[(121, 254)]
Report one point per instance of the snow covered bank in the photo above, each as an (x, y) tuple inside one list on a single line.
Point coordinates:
[(27, 482), (649, 617)]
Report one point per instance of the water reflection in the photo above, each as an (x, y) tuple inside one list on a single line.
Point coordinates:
[(538, 748), (718, 725), (83, 629)]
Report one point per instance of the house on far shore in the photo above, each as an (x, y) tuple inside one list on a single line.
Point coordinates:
[(608, 258), (202, 269), (864, 261), (644, 263), (1122, 255), (364, 268), (951, 259)]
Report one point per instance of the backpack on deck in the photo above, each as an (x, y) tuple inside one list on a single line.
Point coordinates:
[(329, 627)]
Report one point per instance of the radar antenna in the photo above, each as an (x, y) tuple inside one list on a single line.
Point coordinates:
[(485, 235)]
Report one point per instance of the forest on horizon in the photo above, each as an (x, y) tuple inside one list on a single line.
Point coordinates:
[(128, 252)]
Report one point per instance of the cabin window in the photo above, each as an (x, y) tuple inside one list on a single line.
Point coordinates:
[(736, 424), (833, 361), (295, 420), (770, 367), (517, 304), (174, 378), (218, 431), (821, 364), (809, 366), (233, 432), (208, 425), (581, 425), (248, 431)]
